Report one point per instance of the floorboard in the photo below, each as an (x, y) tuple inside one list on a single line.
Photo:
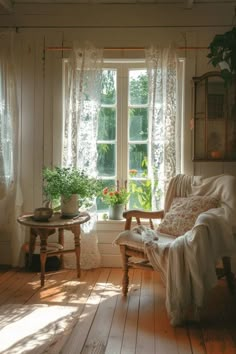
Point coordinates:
[(90, 316)]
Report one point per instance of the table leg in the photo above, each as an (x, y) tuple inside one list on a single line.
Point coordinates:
[(76, 232), (43, 234), (61, 242), (32, 240), (43, 256)]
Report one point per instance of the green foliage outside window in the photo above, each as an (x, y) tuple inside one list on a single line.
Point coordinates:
[(141, 190), (108, 87), (140, 187), (138, 88)]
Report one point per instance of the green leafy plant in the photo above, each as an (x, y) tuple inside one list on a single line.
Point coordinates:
[(223, 50), (112, 196), (66, 181), (142, 190)]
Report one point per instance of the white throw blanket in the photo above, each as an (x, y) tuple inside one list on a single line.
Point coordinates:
[(188, 262)]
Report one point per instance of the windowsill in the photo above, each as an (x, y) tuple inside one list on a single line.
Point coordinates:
[(100, 220), (116, 225), (111, 221), (110, 225)]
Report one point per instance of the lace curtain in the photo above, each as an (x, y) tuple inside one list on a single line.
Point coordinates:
[(162, 76), (10, 191), (8, 115), (82, 104)]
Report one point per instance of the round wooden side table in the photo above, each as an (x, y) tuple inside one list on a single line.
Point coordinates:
[(47, 228)]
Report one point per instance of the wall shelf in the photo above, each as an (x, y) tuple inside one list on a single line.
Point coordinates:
[(214, 131)]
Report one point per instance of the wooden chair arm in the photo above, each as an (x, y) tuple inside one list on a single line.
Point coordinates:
[(138, 214)]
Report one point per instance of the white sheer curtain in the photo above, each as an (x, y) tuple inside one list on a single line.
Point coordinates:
[(8, 115), (162, 76), (10, 192), (82, 104)]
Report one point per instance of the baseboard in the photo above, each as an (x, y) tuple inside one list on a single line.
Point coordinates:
[(4, 267), (108, 261), (5, 252)]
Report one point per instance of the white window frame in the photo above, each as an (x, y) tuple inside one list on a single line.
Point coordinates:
[(122, 144)]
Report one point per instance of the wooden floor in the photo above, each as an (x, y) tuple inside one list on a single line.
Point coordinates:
[(90, 316)]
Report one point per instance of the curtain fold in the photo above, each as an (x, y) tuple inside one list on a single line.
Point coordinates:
[(8, 115), (10, 190), (82, 104), (82, 107), (162, 76)]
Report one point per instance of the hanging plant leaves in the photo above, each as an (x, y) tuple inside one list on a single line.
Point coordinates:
[(223, 51)]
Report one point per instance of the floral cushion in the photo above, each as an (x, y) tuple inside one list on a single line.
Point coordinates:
[(183, 213)]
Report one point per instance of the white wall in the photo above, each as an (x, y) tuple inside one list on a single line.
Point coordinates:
[(39, 73)]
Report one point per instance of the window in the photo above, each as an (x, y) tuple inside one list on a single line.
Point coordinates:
[(123, 131)]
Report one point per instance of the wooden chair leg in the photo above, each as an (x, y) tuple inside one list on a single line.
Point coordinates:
[(125, 280), (228, 274)]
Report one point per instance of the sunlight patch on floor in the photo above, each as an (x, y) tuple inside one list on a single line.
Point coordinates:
[(24, 328)]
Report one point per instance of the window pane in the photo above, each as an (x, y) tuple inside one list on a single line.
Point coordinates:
[(106, 159), (107, 124), (138, 159), (108, 87), (138, 87), (141, 194), (138, 123)]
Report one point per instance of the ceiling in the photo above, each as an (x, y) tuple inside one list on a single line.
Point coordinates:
[(10, 10), (8, 5), (134, 19)]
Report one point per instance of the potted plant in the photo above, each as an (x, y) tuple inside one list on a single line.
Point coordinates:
[(223, 54), (116, 200), (72, 186)]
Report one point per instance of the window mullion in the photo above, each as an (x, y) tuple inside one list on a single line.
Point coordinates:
[(125, 128), (121, 126), (118, 130)]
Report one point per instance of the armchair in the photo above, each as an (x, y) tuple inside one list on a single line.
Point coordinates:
[(195, 230)]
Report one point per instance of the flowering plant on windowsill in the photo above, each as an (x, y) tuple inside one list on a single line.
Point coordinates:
[(113, 196)]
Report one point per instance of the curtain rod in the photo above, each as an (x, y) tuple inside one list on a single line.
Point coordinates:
[(121, 48)]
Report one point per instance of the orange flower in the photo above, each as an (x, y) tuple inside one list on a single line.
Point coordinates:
[(105, 191), (133, 172), (112, 196)]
